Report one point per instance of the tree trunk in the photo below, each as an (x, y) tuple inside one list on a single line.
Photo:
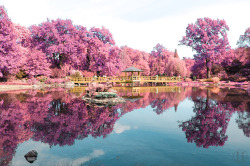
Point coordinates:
[(207, 99), (208, 72), (208, 65), (98, 73)]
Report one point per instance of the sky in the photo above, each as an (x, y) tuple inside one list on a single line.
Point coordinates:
[(139, 24)]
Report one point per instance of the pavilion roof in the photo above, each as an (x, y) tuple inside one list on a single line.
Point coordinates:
[(134, 69)]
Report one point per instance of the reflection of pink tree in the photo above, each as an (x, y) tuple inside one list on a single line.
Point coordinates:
[(160, 102), (163, 101), (208, 126), (52, 117), (66, 122), (243, 121), (11, 127)]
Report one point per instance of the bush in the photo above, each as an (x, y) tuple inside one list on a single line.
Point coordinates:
[(75, 74), (215, 80), (21, 74), (87, 74), (106, 95), (237, 78), (58, 73), (42, 78), (188, 80)]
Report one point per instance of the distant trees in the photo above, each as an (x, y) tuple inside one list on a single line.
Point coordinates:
[(132, 57), (189, 65), (158, 60), (176, 67), (209, 39), (244, 40)]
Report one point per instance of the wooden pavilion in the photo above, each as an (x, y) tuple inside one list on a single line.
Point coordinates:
[(133, 79), (132, 70)]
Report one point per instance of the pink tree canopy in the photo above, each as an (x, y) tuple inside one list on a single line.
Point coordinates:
[(61, 41), (176, 67), (37, 63), (9, 54), (102, 56), (158, 60), (132, 57), (208, 38), (189, 65)]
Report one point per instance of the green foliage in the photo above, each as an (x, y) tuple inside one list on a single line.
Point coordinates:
[(41, 78), (106, 95), (21, 74)]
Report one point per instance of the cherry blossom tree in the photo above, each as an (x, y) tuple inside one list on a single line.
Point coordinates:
[(176, 67), (37, 64), (158, 60), (23, 35), (189, 65), (208, 38), (60, 41), (9, 55), (103, 35), (131, 57)]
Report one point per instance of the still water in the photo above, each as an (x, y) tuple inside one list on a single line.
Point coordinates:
[(156, 126)]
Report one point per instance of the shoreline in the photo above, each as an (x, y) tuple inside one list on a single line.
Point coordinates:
[(239, 85), (12, 87)]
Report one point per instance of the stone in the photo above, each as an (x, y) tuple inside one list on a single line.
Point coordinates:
[(31, 156), (102, 95)]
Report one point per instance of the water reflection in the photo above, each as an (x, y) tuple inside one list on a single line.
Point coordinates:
[(56, 117)]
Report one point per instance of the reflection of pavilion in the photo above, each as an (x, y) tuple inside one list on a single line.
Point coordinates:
[(134, 96)]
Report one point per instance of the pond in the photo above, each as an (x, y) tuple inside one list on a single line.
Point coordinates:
[(156, 126)]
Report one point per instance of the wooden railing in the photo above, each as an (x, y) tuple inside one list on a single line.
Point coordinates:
[(138, 90), (124, 79)]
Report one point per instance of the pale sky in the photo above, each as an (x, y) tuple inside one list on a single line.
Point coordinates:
[(139, 24)]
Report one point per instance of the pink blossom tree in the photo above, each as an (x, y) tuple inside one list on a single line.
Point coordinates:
[(208, 38), (158, 60), (176, 67), (23, 35), (102, 55), (9, 54), (61, 41), (189, 65), (103, 35), (132, 57), (37, 64)]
